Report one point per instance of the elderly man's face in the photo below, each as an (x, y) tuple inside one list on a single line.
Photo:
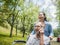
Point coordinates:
[(37, 27)]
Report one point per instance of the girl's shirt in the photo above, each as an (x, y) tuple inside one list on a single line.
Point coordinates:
[(47, 30)]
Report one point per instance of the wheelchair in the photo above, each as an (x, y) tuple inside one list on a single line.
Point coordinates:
[(19, 42)]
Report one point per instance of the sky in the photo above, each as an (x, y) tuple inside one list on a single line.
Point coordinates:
[(50, 8)]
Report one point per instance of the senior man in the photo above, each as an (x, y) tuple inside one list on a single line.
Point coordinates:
[(38, 38)]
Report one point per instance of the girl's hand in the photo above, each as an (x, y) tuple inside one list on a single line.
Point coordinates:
[(50, 37)]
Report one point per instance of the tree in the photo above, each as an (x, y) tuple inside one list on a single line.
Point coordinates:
[(57, 4), (58, 14), (9, 9), (28, 14), (19, 12)]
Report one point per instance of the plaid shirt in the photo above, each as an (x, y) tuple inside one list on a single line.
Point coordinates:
[(35, 41)]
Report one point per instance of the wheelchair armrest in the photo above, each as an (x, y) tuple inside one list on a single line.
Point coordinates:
[(22, 41)]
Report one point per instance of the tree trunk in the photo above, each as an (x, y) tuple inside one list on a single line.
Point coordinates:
[(16, 30), (12, 24), (11, 31), (23, 23), (23, 31)]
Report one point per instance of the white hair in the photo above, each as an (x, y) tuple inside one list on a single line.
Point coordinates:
[(37, 23)]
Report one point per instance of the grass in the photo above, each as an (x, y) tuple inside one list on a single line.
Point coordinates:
[(6, 40)]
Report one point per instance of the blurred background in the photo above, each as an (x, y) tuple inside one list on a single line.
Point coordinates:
[(17, 18)]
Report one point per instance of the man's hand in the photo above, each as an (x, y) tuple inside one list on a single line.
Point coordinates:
[(41, 31), (41, 36)]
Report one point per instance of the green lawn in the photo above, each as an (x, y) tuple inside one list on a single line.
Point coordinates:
[(6, 40)]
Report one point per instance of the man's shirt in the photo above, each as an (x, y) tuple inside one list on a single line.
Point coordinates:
[(33, 40)]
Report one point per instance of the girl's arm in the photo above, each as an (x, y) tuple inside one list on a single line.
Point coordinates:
[(51, 32)]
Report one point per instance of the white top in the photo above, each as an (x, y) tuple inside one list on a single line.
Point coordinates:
[(35, 41)]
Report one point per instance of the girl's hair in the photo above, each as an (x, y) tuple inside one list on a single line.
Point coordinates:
[(45, 19)]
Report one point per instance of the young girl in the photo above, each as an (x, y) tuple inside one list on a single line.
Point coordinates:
[(48, 28)]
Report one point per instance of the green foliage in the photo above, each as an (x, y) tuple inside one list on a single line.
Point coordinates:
[(56, 32), (28, 15), (58, 9), (19, 13)]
